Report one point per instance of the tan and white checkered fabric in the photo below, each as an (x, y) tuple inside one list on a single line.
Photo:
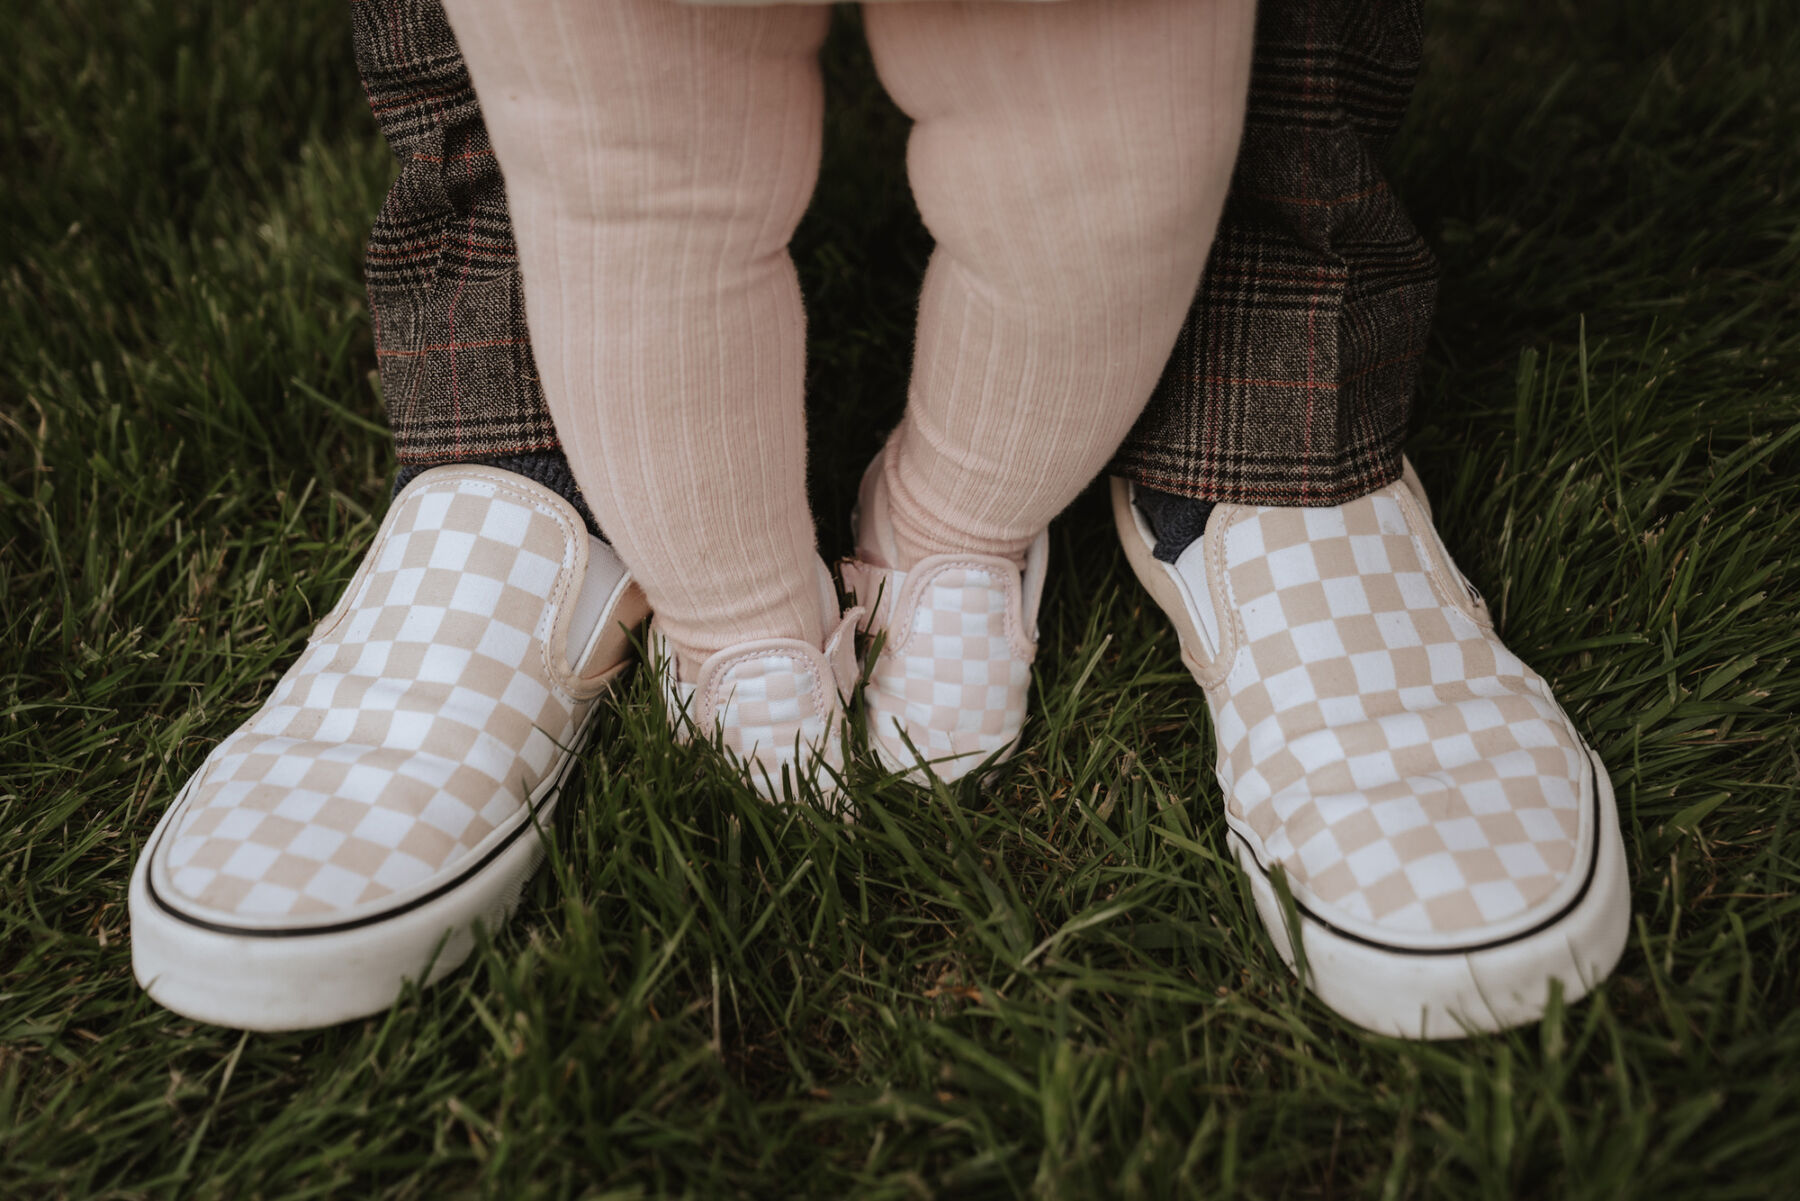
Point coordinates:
[(954, 671), (1401, 764), (775, 705), (417, 721)]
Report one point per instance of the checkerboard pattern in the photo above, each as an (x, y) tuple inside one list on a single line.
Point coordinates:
[(955, 667), (1393, 756), (773, 704), (417, 721)]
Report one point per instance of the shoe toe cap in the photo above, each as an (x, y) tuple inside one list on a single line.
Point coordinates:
[(278, 831), (1465, 852)]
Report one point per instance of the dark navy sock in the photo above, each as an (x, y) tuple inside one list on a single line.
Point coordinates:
[(1176, 520), (546, 467)]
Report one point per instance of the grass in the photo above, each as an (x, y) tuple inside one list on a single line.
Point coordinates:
[(1056, 989)]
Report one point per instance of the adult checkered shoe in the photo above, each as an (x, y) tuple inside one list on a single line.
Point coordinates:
[(391, 791), (947, 691), (775, 706), (1449, 841)]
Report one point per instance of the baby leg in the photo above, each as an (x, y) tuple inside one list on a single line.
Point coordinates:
[(1071, 161), (657, 159)]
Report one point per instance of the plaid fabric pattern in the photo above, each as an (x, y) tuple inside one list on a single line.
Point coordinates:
[(455, 360), (1291, 381), (1407, 770), (414, 726)]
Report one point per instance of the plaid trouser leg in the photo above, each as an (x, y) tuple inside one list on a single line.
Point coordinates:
[(1291, 382), (443, 274)]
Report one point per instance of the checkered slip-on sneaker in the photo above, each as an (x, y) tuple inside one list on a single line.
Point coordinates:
[(1450, 843), (946, 694), (775, 706), (391, 791)]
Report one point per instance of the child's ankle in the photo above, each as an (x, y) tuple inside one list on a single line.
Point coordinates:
[(692, 642), (894, 535), (911, 548), (691, 658)]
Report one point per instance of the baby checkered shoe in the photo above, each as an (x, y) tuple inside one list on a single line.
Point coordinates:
[(775, 706), (947, 691), (1450, 843), (391, 791)]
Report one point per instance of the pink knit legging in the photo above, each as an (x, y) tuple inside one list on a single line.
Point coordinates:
[(1070, 160)]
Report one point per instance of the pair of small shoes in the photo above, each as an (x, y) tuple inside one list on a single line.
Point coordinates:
[(953, 642), (1448, 844), (393, 790), (774, 706)]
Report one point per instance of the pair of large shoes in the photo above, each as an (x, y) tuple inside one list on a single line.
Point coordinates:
[(392, 791), (1448, 844)]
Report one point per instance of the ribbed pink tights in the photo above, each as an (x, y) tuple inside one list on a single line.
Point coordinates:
[(1070, 159)]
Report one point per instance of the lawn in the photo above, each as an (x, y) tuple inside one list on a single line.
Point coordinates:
[(1056, 988)]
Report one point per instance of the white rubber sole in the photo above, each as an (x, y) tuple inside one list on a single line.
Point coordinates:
[(1459, 991), (299, 980)]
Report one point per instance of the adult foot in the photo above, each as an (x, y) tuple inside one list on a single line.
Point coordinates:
[(393, 790), (1449, 842)]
